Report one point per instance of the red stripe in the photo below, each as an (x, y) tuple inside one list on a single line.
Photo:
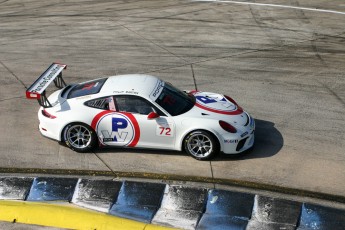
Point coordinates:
[(97, 117), (136, 129), (130, 116), (236, 112)]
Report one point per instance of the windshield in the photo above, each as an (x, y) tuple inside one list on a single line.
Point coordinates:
[(174, 101)]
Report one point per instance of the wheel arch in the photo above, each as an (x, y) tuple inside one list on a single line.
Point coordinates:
[(62, 131), (212, 133)]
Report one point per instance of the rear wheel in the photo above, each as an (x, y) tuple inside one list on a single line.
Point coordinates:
[(201, 145), (80, 137)]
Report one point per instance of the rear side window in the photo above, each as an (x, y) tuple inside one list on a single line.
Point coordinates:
[(91, 87), (105, 103)]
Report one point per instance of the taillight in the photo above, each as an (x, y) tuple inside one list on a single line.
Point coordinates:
[(46, 114), (227, 127), (230, 99)]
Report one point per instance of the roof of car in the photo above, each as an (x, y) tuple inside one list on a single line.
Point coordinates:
[(137, 84)]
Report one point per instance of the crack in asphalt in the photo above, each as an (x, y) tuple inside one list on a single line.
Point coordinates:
[(214, 184), (106, 165), (12, 98), (274, 47), (13, 74), (273, 5), (34, 15), (150, 41), (244, 53), (332, 93), (193, 75)]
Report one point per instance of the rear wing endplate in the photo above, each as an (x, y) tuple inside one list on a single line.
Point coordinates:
[(38, 89)]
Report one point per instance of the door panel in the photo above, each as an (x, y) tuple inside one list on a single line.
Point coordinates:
[(157, 133)]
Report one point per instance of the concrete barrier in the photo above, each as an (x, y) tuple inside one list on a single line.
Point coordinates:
[(181, 207), (317, 217), (14, 188), (227, 210), (99, 195), (52, 189), (272, 213), (138, 201), (157, 203)]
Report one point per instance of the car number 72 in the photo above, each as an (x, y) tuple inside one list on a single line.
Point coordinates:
[(164, 131)]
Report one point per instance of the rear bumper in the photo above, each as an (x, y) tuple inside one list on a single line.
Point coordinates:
[(49, 127)]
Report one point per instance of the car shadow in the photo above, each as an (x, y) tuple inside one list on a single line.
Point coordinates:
[(268, 142), (109, 149)]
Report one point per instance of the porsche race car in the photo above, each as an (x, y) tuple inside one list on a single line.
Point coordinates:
[(140, 111)]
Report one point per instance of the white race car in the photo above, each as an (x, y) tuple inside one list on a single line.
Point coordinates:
[(140, 111)]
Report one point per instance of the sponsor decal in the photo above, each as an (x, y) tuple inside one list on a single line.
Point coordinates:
[(132, 92), (244, 134), (114, 128), (83, 97), (47, 78), (230, 141), (158, 89)]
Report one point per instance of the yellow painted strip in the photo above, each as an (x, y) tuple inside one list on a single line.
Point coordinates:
[(66, 216)]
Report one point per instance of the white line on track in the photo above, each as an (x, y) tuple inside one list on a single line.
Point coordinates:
[(273, 5)]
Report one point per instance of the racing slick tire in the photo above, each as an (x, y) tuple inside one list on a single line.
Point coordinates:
[(201, 145), (80, 137)]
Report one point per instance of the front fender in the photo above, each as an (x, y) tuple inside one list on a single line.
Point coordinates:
[(190, 125)]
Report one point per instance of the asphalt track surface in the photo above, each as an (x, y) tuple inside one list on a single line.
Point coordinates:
[(283, 63)]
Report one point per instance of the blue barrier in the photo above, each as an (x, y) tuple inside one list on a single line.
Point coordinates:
[(227, 210), (52, 189), (316, 217)]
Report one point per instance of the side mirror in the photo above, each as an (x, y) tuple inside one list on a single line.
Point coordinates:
[(152, 115)]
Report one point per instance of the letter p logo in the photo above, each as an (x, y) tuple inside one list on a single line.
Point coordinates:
[(118, 123), (205, 100)]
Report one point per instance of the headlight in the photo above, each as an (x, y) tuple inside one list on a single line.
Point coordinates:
[(227, 127)]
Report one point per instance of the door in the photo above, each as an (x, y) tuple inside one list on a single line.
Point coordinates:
[(130, 126)]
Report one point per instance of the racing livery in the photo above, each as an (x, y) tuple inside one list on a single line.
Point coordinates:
[(140, 111)]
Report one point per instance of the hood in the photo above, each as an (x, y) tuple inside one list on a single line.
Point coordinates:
[(217, 106)]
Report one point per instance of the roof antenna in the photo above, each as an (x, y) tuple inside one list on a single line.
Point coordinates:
[(196, 88)]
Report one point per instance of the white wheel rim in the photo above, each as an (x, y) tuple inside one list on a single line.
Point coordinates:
[(79, 136), (200, 145)]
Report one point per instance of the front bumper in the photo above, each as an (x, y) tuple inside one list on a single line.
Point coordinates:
[(234, 146)]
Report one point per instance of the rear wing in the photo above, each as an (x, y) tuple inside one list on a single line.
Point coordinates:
[(38, 89)]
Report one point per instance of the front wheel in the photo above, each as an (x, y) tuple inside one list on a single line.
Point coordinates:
[(80, 137), (201, 145)]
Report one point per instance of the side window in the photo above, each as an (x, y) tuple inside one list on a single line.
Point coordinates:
[(134, 104), (105, 103)]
